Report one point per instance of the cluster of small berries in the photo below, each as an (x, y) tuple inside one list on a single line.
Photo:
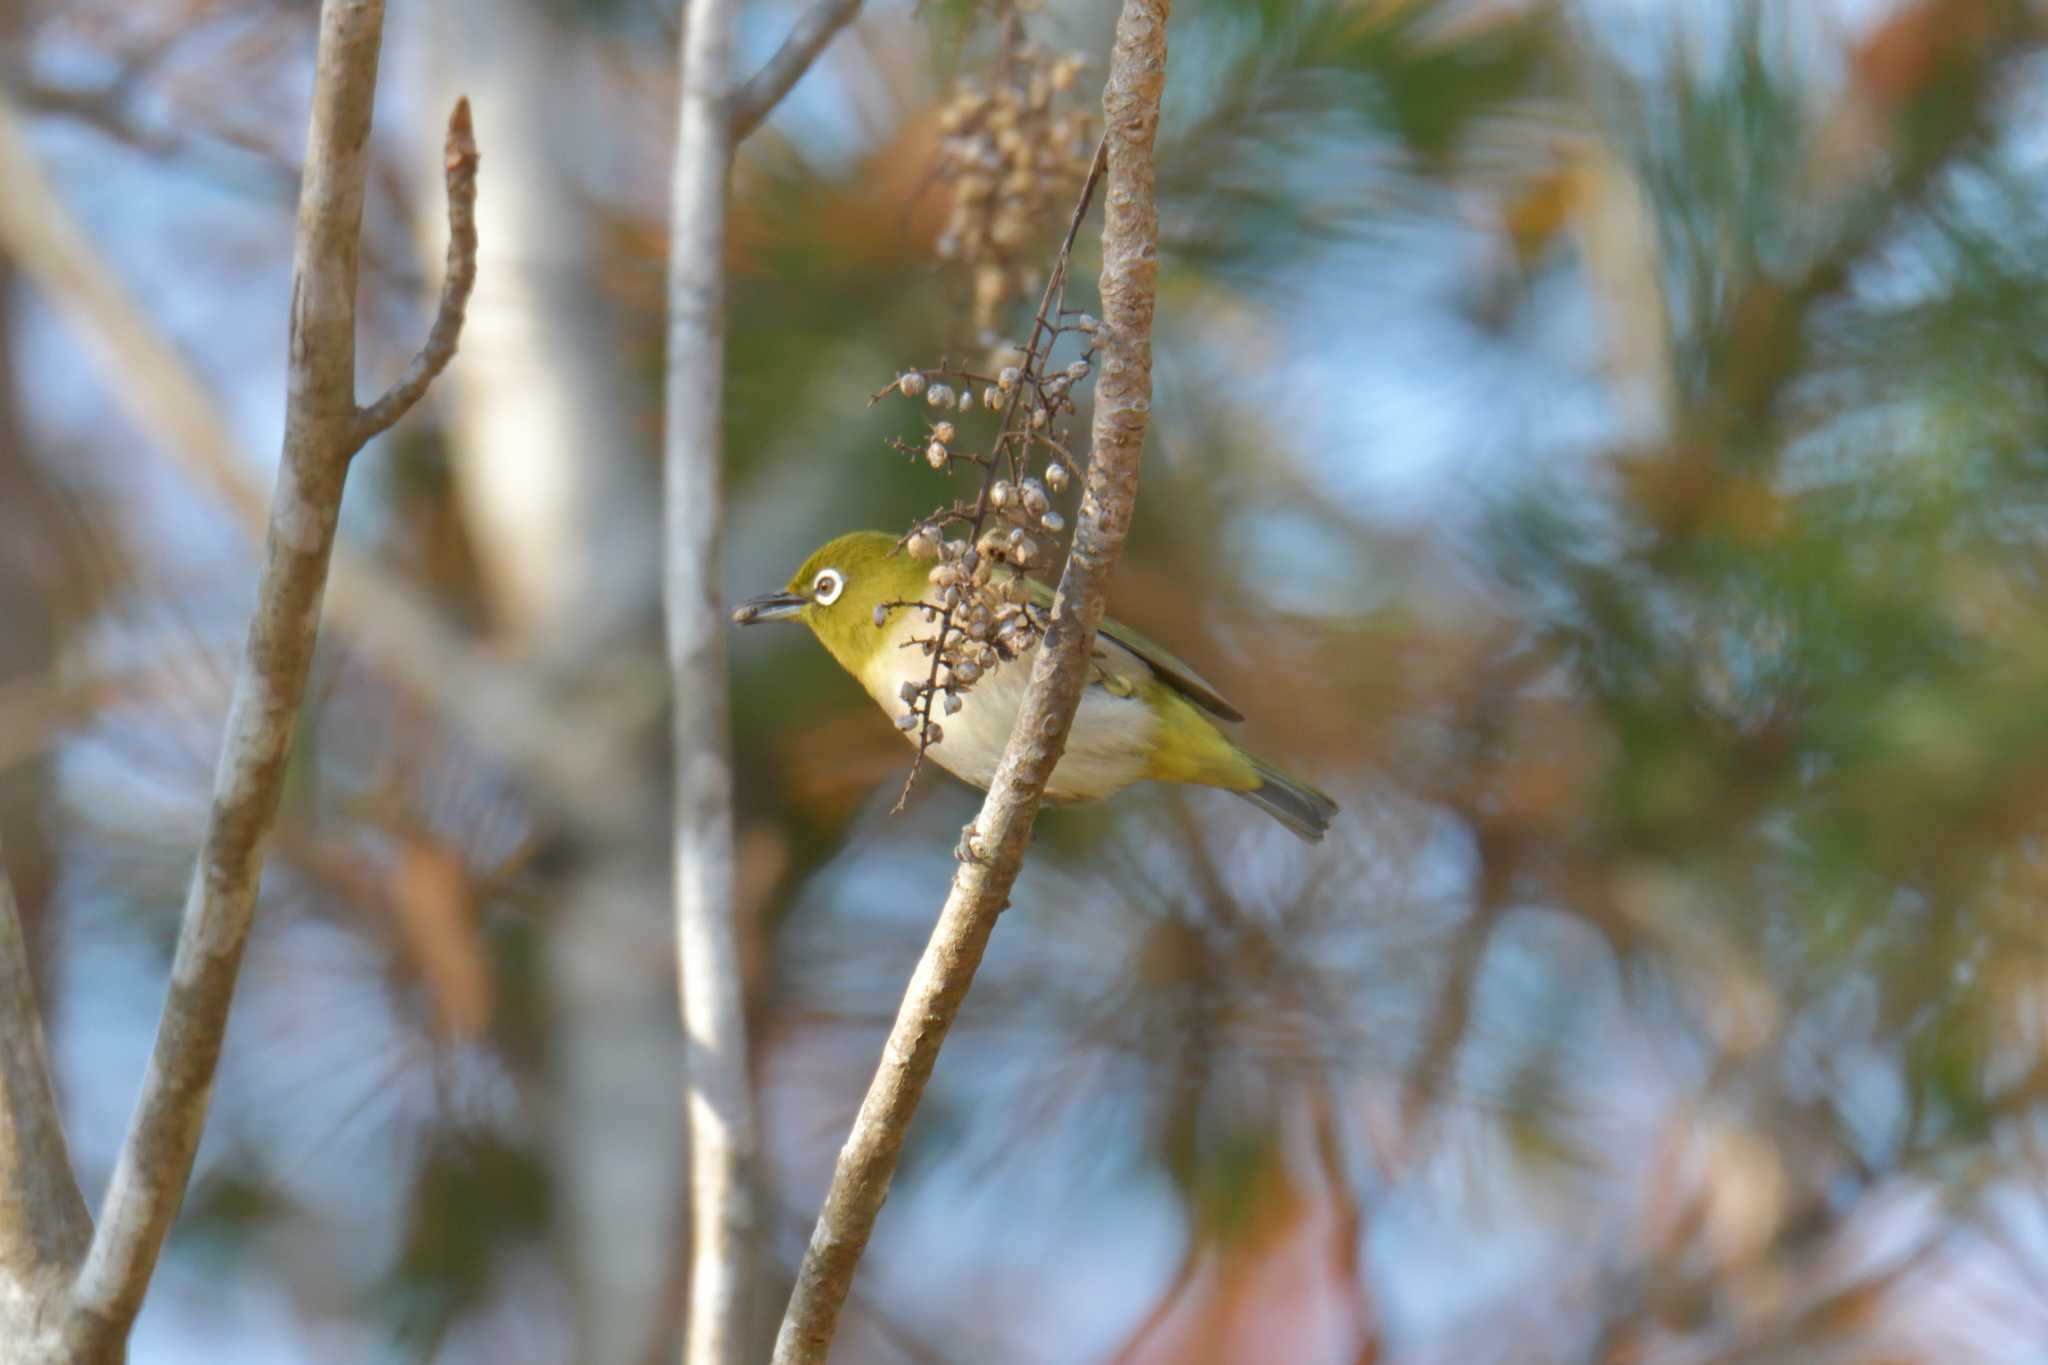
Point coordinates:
[(1014, 161), (982, 617), (979, 601)]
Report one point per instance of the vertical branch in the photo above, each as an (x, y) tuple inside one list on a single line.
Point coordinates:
[(323, 430), (715, 111), (995, 843), (720, 1108), (44, 1226)]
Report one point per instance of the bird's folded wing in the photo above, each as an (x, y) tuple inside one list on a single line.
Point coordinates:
[(1157, 657)]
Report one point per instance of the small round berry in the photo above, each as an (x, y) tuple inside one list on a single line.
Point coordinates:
[(939, 395), (1009, 378), (911, 384), (1053, 522), (942, 432), (1056, 476)]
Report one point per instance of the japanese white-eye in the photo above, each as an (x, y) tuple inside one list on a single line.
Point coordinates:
[(1145, 715)]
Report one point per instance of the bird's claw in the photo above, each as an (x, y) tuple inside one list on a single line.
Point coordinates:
[(968, 850)]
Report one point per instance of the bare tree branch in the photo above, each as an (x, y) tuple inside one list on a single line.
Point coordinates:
[(712, 117), (755, 100), (323, 431), (995, 842), (44, 1226), (459, 164), (723, 1207)]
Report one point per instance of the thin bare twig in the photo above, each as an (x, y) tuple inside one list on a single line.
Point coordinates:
[(995, 842), (459, 162), (753, 102)]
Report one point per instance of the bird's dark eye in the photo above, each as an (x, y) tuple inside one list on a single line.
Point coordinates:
[(827, 586)]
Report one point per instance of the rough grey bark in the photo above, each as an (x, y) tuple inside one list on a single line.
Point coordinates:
[(103, 1282), (997, 838), (723, 1208)]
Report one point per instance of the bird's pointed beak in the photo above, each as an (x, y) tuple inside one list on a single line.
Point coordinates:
[(774, 606)]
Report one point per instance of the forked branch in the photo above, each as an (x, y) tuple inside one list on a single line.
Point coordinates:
[(323, 430)]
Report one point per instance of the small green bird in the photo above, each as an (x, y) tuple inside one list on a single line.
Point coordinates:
[(1144, 715)]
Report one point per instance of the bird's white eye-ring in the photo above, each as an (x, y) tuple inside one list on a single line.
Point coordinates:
[(827, 586)]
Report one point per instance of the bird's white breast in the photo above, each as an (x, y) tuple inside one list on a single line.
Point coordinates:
[(1106, 751)]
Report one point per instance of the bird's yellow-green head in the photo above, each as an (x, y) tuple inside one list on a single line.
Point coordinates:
[(836, 592)]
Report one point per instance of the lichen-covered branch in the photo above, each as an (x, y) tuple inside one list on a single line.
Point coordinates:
[(995, 842), (752, 102), (720, 1110), (323, 430)]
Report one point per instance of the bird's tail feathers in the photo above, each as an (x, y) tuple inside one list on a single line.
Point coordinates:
[(1294, 803)]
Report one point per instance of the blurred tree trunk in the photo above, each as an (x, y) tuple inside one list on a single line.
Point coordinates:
[(558, 498)]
